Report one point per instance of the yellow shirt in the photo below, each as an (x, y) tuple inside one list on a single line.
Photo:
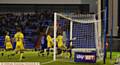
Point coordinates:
[(7, 38), (8, 42), (19, 37), (49, 41), (59, 40)]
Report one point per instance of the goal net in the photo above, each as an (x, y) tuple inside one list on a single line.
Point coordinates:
[(76, 33)]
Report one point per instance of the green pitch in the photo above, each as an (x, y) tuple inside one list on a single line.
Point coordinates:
[(32, 56)]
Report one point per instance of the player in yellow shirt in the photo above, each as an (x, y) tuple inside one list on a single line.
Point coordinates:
[(49, 42), (8, 44), (19, 39), (60, 41)]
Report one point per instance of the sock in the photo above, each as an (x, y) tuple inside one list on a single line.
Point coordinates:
[(21, 55), (62, 53), (2, 54)]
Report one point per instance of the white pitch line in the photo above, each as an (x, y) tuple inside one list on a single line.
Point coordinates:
[(46, 62)]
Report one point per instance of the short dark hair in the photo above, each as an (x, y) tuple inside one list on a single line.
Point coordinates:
[(48, 33), (18, 29), (59, 33), (6, 32)]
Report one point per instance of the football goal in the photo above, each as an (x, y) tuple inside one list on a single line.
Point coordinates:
[(79, 33)]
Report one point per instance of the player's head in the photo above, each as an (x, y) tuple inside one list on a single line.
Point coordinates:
[(18, 29), (59, 33), (6, 33), (49, 33)]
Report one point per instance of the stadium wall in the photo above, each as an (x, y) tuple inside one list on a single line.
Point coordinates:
[(43, 7), (93, 5)]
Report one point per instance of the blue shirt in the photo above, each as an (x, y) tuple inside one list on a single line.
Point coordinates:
[(43, 40)]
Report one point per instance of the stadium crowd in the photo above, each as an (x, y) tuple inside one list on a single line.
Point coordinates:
[(25, 21)]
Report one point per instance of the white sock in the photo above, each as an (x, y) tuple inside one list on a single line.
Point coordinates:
[(21, 55)]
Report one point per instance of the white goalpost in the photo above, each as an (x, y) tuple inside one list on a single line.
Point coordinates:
[(55, 31), (83, 31)]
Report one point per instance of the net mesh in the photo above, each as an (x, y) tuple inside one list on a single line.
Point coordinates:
[(85, 34)]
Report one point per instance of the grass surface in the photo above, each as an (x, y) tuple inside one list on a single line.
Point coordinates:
[(32, 56)]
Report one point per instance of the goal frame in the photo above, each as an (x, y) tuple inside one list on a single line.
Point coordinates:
[(71, 25)]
